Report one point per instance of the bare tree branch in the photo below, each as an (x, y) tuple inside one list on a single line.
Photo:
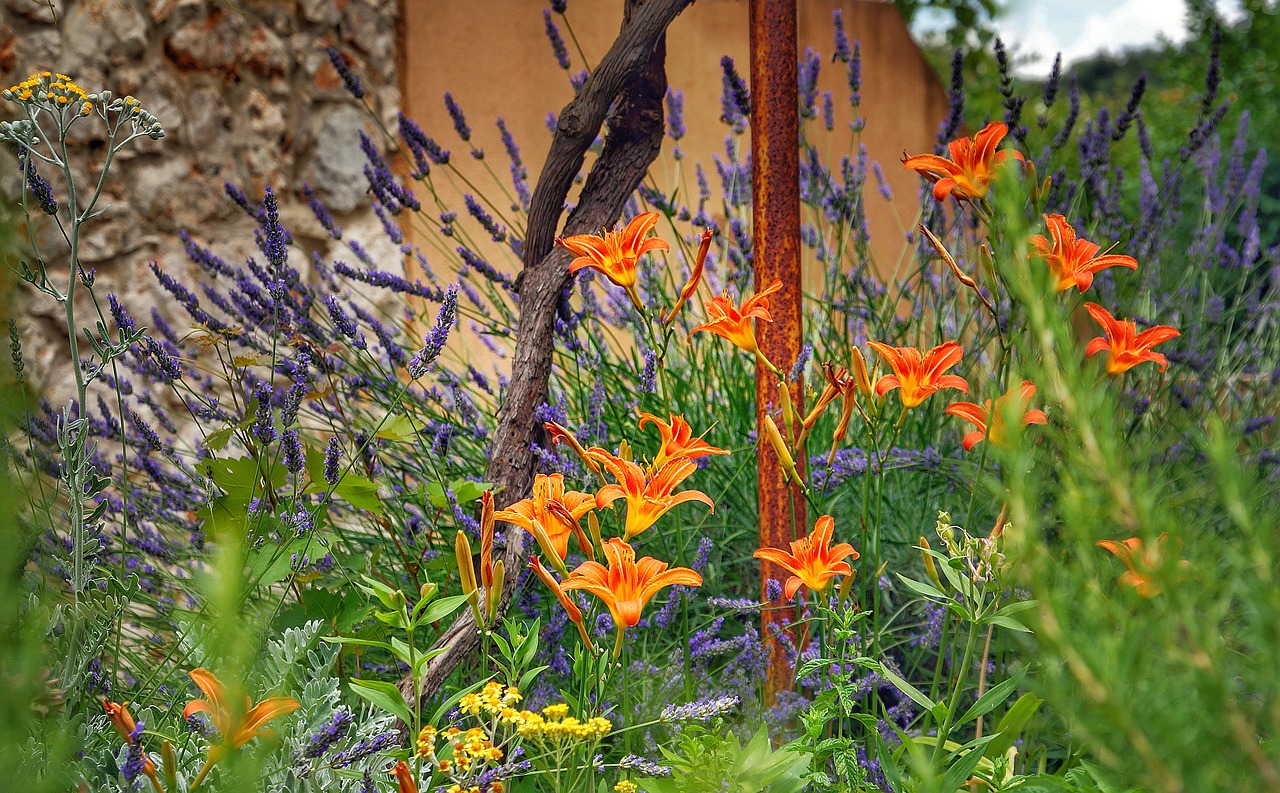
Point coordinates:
[(631, 80)]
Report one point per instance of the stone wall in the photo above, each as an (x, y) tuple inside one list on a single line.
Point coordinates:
[(246, 94)]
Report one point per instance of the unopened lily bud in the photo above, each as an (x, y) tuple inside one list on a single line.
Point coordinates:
[(593, 525), (486, 539), (788, 410), (845, 586), (695, 277), (170, 759), (624, 451), (548, 547), (561, 435), (859, 366), (930, 569), (427, 591), (780, 448), (494, 592), (467, 570)]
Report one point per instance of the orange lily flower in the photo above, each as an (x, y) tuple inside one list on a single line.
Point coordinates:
[(405, 783), (919, 375), (968, 174), (553, 510), (616, 253), (570, 608), (627, 585), (1127, 347), (734, 324), (236, 728), (1140, 561), (812, 559), (647, 499), (1073, 260), (981, 416), (678, 440)]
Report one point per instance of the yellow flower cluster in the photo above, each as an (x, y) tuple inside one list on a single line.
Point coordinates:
[(494, 787), (626, 786), (58, 89), (469, 748), (556, 726), (494, 698)]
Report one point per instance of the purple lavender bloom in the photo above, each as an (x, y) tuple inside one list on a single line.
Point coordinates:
[(237, 195), (332, 458), (135, 762), (955, 97), (293, 459), (643, 766), (735, 99), (557, 43), (369, 746), (855, 75), (649, 376), (167, 365), (802, 360), (422, 145), (388, 281), (332, 731), (519, 174), (459, 120), (264, 430), (40, 188), (472, 260), (701, 710), (497, 232), (351, 81), (842, 38), (675, 114), (1131, 108), (437, 336), (807, 78), (343, 323), (321, 212), (828, 111), (273, 240), (386, 188)]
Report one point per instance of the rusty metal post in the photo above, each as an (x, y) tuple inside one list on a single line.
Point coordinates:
[(775, 189)]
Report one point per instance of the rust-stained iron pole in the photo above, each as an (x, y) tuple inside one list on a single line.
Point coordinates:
[(775, 189)]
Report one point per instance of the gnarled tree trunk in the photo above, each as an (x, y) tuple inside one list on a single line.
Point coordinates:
[(627, 88)]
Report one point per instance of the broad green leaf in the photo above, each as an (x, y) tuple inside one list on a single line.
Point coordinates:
[(344, 640), (1011, 725), (921, 588), (988, 701), (384, 695), (1010, 623), (442, 608), (917, 696), (397, 427), (217, 439)]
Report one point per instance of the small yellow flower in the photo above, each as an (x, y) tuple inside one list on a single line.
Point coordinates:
[(626, 786), (556, 711), (427, 741)]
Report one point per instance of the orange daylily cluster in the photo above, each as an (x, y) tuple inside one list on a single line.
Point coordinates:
[(552, 514), (1142, 561), (989, 419)]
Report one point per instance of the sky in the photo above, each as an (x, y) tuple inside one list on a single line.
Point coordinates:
[(1080, 28)]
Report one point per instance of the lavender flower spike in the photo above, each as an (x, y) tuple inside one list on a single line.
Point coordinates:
[(437, 336), (702, 710)]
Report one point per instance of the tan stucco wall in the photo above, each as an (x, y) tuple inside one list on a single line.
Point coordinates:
[(493, 57)]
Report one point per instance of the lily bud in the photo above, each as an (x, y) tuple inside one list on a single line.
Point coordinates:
[(780, 448), (788, 410), (493, 593), (859, 366), (561, 435), (467, 570), (570, 608), (845, 585), (170, 758), (930, 569), (593, 525), (695, 277), (486, 539), (548, 548)]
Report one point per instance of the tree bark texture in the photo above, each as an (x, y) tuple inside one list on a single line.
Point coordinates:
[(627, 89)]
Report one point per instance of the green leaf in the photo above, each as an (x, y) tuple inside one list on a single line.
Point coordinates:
[(360, 493), (216, 440), (1011, 725), (442, 608), (1041, 784), (917, 696), (529, 676), (988, 701), (383, 695), (1008, 622), (961, 770), (921, 588), (1017, 607), (345, 640), (268, 564), (240, 477), (397, 427)]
